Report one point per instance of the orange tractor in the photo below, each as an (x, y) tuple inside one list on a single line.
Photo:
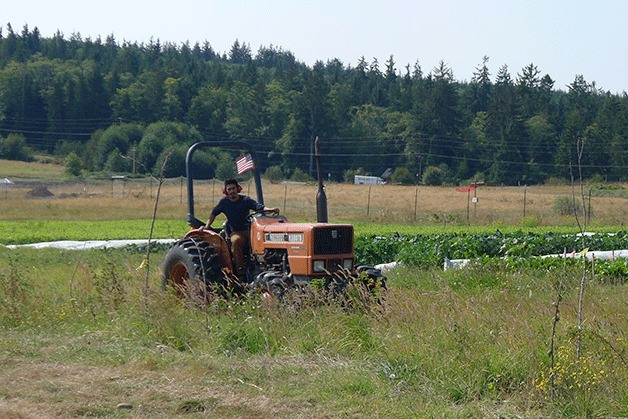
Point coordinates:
[(282, 254)]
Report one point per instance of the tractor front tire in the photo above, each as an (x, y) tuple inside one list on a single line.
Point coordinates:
[(271, 283), (191, 265)]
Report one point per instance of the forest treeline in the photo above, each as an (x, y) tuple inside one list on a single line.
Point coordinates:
[(128, 107)]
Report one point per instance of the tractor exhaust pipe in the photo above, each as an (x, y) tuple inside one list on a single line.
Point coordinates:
[(321, 198)]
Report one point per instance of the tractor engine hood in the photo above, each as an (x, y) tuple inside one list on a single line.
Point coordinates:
[(331, 244)]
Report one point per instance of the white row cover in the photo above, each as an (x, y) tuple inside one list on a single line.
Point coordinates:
[(90, 244), (597, 254)]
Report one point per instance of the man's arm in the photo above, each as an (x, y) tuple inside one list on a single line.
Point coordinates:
[(212, 216), (257, 207), (209, 222)]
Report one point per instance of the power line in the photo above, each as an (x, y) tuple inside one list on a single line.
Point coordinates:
[(267, 145), (22, 131)]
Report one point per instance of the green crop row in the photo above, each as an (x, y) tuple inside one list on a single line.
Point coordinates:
[(374, 243), (21, 232), (431, 250)]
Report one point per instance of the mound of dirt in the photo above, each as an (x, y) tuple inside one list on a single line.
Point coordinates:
[(39, 192)]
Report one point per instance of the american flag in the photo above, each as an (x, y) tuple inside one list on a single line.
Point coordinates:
[(244, 164)]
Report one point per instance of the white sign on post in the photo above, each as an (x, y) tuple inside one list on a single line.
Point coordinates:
[(5, 185)]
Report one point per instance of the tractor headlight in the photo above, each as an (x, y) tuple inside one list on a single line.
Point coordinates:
[(319, 266), (347, 264)]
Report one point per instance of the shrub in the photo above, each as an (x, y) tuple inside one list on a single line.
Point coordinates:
[(555, 181), (274, 174), (116, 163), (564, 205), (73, 164), (204, 164), (171, 161), (14, 148), (402, 175), (300, 176), (607, 187), (64, 148), (433, 176), (596, 178)]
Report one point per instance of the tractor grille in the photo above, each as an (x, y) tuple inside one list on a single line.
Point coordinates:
[(333, 240), (334, 265)]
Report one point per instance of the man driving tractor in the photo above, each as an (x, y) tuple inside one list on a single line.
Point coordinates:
[(236, 207)]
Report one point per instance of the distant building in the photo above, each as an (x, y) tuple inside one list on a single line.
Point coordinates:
[(387, 175), (368, 180)]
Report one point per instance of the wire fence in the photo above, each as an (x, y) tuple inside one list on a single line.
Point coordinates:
[(382, 203)]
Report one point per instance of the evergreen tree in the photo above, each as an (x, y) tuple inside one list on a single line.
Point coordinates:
[(62, 93), (208, 110), (529, 91), (439, 117), (504, 132), (480, 88)]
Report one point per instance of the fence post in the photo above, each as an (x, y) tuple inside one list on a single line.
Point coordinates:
[(475, 202), (368, 203), (416, 198), (589, 209), (468, 203), (181, 190)]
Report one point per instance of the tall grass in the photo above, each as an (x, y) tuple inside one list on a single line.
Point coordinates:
[(95, 200), (443, 343)]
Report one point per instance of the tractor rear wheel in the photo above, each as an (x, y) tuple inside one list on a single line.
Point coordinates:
[(192, 265)]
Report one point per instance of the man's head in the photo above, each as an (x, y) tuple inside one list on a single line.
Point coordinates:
[(232, 189)]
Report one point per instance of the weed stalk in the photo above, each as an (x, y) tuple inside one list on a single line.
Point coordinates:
[(581, 228), (160, 180)]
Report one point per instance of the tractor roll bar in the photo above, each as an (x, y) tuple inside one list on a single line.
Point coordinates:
[(192, 220)]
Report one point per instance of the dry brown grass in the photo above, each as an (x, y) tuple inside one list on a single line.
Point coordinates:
[(134, 199), (45, 388)]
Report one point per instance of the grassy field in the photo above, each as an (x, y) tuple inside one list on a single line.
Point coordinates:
[(33, 170), (104, 199), (90, 333)]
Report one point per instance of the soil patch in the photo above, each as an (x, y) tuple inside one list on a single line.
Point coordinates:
[(39, 192)]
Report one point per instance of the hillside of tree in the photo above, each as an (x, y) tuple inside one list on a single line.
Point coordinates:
[(112, 107)]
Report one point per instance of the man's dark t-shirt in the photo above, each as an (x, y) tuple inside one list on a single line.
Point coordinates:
[(237, 211)]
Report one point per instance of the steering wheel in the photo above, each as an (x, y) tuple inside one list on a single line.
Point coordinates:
[(267, 213)]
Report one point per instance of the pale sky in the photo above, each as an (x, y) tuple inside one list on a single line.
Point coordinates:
[(563, 38)]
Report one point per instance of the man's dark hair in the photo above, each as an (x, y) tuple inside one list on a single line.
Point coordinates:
[(231, 182)]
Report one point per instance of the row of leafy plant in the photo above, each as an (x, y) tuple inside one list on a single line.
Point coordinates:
[(431, 250)]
